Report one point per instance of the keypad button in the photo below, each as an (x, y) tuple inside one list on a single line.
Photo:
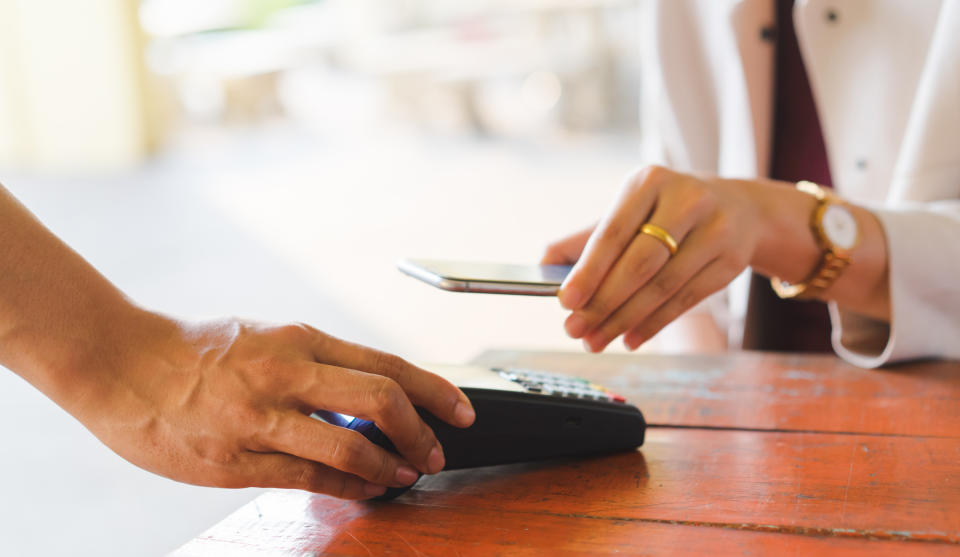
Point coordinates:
[(558, 384)]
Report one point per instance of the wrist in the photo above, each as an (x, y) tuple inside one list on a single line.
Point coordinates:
[(787, 247), (83, 374)]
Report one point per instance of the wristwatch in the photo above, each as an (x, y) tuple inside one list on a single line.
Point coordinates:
[(837, 233)]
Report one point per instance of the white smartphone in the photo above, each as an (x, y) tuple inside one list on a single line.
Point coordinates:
[(489, 278)]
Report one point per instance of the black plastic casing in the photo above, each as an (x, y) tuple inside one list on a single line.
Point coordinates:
[(514, 427), (521, 427)]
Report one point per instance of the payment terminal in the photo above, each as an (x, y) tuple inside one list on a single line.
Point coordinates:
[(523, 415)]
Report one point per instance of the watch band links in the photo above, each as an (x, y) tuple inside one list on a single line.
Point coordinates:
[(831, 263), (829, 268)]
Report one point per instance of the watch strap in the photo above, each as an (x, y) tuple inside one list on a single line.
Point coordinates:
[(827, 271), (832, 262)]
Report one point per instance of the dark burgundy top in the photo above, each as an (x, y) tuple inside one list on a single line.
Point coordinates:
[(798, 154)]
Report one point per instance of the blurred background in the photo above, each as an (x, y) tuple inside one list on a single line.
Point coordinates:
[(273, 159)]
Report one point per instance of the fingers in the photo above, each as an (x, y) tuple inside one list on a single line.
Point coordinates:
[(383, 401), (642, 259), (662, 287), (339, 448), (284, 471), (611, 238), (423, 388), (710, 279), (624, 274), (566, 251), (646, 289)]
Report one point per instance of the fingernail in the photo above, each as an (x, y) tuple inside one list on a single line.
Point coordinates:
[(576, 325), (570, 297), (589, 347), (435, 461), (374, 490), (463, 413), (407, 475)]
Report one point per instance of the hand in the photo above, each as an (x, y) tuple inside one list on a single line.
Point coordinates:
[(222, 404), (627, 283), (227, 404)]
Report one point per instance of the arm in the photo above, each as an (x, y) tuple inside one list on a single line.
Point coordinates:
[(625, 283), (224, 403)]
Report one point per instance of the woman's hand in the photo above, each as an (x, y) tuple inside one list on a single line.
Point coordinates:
[(227, 404), (627, 283)]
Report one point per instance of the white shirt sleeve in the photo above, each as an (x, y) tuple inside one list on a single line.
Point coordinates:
[(923, 251)]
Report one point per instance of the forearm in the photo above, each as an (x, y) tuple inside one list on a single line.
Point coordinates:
[(788, 249), (58, 316)]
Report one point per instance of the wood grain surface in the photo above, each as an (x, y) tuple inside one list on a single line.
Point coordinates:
[(870, 486), (751, 390), (755, 454), (300, 524)]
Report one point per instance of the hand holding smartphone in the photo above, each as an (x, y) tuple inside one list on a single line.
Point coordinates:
[(488, 278)]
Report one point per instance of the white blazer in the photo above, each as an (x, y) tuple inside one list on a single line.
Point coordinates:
[(885, 76)]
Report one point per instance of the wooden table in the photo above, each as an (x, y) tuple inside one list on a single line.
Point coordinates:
[(749, 454)]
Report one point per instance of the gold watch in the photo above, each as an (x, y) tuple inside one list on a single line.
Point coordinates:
[(835, 228)]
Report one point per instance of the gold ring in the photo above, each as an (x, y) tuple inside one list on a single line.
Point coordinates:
[(660, 234)]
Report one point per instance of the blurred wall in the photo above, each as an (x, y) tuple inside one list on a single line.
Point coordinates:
[(72, 86)]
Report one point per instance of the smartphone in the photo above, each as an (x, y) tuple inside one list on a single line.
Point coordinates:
[(489, 278)]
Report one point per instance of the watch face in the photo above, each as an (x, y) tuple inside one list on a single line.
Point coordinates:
[(840, 226)]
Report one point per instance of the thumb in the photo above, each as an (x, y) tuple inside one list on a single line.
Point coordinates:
[(566, 251)]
